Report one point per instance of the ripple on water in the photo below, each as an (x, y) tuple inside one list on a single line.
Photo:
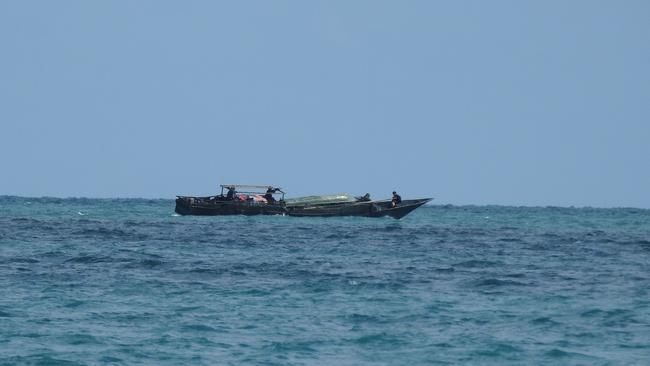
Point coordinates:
[(92, 259), (476, 263), (80, 339), (21, 260), (544, 321), (494, 282), (565, 356), (198, 328), (380, 340), (74, 304), (499, 350)]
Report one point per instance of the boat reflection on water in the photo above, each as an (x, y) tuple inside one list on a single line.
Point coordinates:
[(253, 200)]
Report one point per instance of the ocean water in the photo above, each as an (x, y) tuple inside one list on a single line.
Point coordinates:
[(125, 281)]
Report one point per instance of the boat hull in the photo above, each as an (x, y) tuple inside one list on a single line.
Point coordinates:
[(365, 209), (205, 206)]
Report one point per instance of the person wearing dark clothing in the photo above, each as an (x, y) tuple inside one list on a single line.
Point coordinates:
[(397, 199), (269, 194), (231, 194)]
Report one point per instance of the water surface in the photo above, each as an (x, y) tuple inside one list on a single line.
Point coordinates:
[(124, 281)]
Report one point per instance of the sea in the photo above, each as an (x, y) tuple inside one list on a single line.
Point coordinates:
[(128, 282)]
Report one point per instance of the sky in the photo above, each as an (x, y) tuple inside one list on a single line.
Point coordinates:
[(471, 102)]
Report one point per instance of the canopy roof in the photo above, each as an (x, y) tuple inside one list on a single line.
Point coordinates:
[(247, 186)]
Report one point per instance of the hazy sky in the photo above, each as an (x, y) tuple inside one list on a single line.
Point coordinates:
[(471, 102)]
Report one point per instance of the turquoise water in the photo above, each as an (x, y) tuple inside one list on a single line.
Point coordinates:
[(87, 281)]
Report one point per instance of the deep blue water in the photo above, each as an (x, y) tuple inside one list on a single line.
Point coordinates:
[(124, 281)]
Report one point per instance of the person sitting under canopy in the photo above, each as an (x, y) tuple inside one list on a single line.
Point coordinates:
[(231, 193), (269, 194)]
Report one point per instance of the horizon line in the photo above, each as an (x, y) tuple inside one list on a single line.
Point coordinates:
[(427, 204)]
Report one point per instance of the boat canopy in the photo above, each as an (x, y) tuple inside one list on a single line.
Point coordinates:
[(252, 189), (247, 186)]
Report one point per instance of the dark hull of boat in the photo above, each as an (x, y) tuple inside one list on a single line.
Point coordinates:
[(204, 206), (366, 209)]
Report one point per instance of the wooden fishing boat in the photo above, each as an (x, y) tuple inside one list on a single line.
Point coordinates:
[(240, 200), (360, 208), (251, 200)]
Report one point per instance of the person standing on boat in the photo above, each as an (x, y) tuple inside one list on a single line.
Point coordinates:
[(269, 194), (231, 193), (397, 199)]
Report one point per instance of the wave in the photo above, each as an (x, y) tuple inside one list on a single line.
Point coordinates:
[(378, 339), (93, 259), (494, 282), (477, 263)]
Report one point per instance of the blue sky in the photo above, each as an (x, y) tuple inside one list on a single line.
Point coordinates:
[(471, 102)]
